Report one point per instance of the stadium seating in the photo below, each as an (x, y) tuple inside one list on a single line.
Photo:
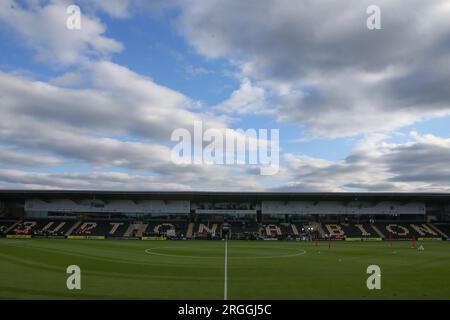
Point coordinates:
[(401, 231), (279, 230), (166, 228), (235, 229), (207, 230), (442, 229), (386, 230), (244, 230), (98, 228), (5, 225), (352, 230)]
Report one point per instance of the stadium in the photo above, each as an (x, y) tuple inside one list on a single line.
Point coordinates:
[(262, 245)]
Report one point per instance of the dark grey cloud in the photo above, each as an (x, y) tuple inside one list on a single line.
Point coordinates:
[(110, 180), (14, 158), (337, 78), (418, 165), (420, 162)]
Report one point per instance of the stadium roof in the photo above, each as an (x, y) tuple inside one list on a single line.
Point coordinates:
[(226, 196)]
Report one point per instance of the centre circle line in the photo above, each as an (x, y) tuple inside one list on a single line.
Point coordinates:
[(151, 251)]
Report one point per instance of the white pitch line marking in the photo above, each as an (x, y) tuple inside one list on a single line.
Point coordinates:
[(298, 252), (225, 293)]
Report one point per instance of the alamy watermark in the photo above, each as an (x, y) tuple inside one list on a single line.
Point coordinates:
[(73, 21), (74, 280), (373, 21), (227, 147), (374, 280)]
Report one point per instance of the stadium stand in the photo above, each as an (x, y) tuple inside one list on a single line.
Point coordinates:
[(5, 225), (359, 230), (402, 231), (245, 229), (442, 229), (49, 227), (166, 228), (98, 228), (210, 230), (207, 230), (197, 215)]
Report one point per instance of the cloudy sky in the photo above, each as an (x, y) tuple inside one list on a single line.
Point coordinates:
[(94, 108)]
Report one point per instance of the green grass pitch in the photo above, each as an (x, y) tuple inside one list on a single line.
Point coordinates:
[(115, 269)]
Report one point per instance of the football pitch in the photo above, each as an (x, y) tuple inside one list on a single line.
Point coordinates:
[(119, 269)]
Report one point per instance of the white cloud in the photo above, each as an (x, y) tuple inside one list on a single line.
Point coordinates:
[(419, 164), (124, 121), (337, 78), (68, 79), (98, 181), (110, 180), (120, 102), (43, 28), (247, 99), (11, 157), (311, 63)]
